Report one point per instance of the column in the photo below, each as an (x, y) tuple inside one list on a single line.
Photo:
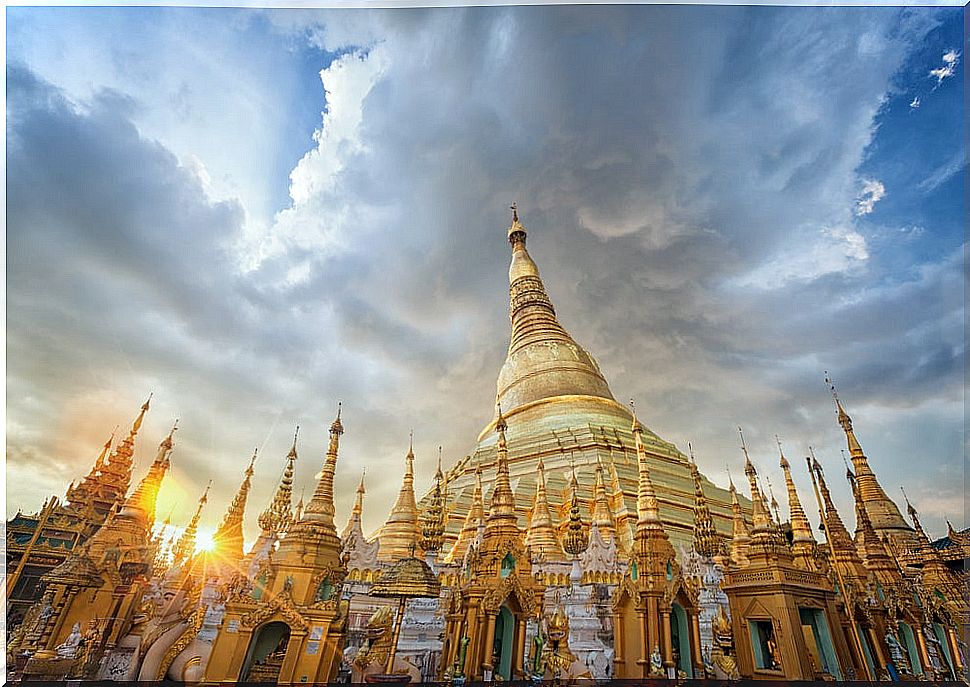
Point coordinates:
[(695, 646), (668, 651), (489, 642), (519, 656)]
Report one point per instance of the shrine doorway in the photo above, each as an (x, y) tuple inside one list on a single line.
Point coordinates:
[(680, 639), (266, 652), (504, 643)]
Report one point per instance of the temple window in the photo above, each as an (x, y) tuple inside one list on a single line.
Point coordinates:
[(764, 645), (508, 565)]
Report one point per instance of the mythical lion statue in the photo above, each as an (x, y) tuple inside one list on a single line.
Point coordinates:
[(556, 660), (723, 664), (371, 658)]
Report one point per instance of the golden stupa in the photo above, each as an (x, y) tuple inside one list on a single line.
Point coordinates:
[(560, 411)]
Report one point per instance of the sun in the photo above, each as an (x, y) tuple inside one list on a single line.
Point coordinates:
[(205, 541)]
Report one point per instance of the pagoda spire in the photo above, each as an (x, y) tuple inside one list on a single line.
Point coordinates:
[(357, 511), (117, 471), (82, 493), (924, 547), (433, 527), (803, 541), (229, 536), (885, 514), (845, 551), (474, 521), (624, 519), (359, 553), (320, 509), (541, 535), (142, 501), (278, 516), (502, 504), (740, 538), (871, 548), (760, 518), (402, 531), (601, 515), (648, 510), (575, 541), (543, 372), (707, 542), (185, 547)]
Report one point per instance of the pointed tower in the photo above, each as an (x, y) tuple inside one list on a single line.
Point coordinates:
[(228, 538), (576, 538), (846, 555), (804, 547), (184, 549), (294, 608), (625, 520), (497, 592), (535, 369), (502, 519), (550, 390), (360, 554), (600, 513), (278, 516), (434, 520), (707, 542), (541, 535), (474, 522), (885, 515), (875, 557), (642, 605), (401, 532), (117, 471), (84, 496), (103, 578), (740, 537)]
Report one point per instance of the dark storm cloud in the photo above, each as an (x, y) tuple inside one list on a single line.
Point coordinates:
[(688, 177)]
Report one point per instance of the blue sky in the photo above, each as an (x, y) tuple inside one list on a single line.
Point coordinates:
[(255, 213)]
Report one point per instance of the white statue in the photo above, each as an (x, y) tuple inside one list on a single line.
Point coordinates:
[(70, 646)]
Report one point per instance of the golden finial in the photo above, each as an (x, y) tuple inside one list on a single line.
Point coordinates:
[(500, 424), (515, 211), (337, 427), (252, 461), (690, 453), (205, 494)]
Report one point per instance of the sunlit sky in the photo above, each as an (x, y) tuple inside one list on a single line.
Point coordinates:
[(257, 213)]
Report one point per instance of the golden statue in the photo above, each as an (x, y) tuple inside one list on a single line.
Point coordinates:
[(557, 661), (723, 665)]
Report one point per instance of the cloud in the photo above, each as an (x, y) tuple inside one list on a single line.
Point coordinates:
[(695, 231), (914, 103), (943, 173), (872, 192), (950, 60)]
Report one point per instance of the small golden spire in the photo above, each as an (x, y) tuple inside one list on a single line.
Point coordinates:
[(576, 539), (740, 538), (707, 542), (802, 539), (185, 547), (502, 504), (278, 515), (648, 509), (402, 528), (541, 534), (320, 509), (760, 519), (229, 535)]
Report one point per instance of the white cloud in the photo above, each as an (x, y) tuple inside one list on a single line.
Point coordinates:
[(832, 250), (914, 104), (950, 60), (872, 192), (944, 172)]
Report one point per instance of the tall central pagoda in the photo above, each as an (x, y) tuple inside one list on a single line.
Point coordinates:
[(561, 414)]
